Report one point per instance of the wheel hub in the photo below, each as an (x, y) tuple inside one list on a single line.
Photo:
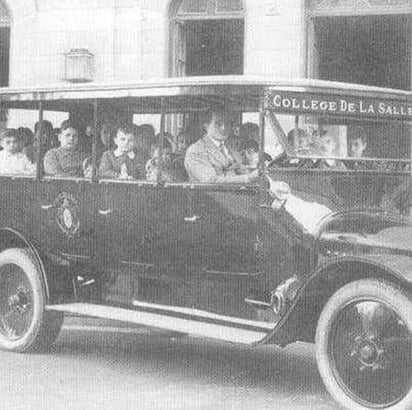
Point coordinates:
[(369, 354)]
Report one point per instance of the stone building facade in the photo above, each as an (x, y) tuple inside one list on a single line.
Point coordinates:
[(132, 40)]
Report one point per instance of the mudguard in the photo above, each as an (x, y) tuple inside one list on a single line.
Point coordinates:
[(300, 320), (55, 270)]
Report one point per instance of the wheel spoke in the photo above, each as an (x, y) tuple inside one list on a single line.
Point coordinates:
[(371, 350), (16, 302)]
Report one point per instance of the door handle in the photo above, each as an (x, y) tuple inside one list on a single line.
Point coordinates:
[(193, 218), (46, 207), (105, 212)]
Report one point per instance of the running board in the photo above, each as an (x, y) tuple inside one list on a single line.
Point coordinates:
[(238, 331)]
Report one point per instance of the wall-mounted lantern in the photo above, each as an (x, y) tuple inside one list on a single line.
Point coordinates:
[(79, 65)]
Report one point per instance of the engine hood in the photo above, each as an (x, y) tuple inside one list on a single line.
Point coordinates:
[(365, 232)]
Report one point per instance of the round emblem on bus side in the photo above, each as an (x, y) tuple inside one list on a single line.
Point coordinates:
[(67, 218), (67, 214)]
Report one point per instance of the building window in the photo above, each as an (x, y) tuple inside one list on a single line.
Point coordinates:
[(357, 41), (207, 37), (357, 7), (5, 21), (223, 6), (209, 8), (193, 7)]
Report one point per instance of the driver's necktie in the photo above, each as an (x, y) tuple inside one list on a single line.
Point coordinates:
[(223, 149)]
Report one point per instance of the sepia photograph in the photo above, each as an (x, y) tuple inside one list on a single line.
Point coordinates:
[(206, 204)]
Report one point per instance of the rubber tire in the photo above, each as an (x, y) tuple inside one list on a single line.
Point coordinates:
[(45, 326), (398, 300)]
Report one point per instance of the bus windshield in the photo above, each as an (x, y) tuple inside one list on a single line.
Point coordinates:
[(341, 159)]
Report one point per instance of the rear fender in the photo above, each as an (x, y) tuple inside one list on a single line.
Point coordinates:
[(300, 321)]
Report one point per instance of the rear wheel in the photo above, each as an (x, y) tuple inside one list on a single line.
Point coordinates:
[(24, 323), (364, 346)]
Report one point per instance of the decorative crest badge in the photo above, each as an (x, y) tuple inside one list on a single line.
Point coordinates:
[(67, 215)]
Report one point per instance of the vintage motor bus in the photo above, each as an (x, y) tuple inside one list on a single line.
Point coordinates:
[(317, 248)]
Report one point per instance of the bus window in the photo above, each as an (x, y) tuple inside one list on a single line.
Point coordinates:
[(27, 118)]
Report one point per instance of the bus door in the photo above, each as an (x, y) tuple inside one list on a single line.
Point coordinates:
[(122, 222), (226, 220), (141, 241)]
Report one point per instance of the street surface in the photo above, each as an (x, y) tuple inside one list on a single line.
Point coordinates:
[(96, 368)]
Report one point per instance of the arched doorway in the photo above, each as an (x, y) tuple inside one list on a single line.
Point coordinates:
[(366, 42), (5, 22), (207, 37)]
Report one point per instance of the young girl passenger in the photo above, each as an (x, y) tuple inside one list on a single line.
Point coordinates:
[(122, 162), (12, 161)]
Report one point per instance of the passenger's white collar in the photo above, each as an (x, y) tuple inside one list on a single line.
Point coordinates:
[(8, 154)]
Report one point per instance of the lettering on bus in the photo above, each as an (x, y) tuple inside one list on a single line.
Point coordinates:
[(336, 105)]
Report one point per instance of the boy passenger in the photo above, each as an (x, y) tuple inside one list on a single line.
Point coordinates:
[(182, 143), (172, 170), (12, 161), (210, 160), (45, 138), (66, 160), (26, 138), (357, 146), (250, 154), (122, 162), (302, 143), (358, 143), (328, 147)]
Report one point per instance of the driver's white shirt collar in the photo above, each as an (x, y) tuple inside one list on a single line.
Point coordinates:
[(130, 154), (218, 143)]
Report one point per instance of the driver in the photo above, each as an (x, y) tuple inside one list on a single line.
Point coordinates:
[(210, 160)]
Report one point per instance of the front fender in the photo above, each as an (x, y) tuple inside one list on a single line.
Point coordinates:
[(300, 320), (54, 269)]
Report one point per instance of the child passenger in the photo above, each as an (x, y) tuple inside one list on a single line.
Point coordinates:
[(357, 146), (122, 162), (358, 143), (250, 153), (182, 143), (302, 143), (12, 161), (67, 160), (172, 171), (153, 164), (328, 146)]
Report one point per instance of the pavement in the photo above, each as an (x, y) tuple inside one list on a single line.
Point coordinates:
[(101, 365)]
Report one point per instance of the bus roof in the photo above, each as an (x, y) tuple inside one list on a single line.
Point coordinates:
[(194, 86)]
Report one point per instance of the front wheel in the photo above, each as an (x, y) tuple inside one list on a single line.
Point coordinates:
[(24, 323), (364, 346)]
